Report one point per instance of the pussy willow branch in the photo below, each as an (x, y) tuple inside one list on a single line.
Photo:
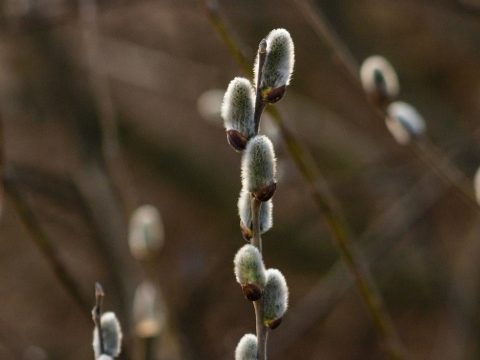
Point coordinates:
[(106, 109), (46, 247), (422, 149), (328, 207)]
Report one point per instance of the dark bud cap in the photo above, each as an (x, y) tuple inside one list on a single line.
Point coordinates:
[(266, 193), (274, 323), (252, 292), (271, 96), (236, 140)]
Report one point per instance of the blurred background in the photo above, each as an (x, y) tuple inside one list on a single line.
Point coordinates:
[(107, 105)]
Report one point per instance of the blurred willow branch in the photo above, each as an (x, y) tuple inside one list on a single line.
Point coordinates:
[(378, 240), (107, 113), (424, 150), (45, 245), (326, 203)]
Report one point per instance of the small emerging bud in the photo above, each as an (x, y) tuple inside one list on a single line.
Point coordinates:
[(148, 314), (245, 213), (259, 168), (379, 80), (278, 66), (476, 185), (247, 348), (111, 335), (250, 271), (146, 232), (237, 112), (275, 298), (404, 122), (274, 95)]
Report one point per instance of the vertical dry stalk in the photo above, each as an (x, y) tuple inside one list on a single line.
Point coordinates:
[(107, 113), (46, 247)]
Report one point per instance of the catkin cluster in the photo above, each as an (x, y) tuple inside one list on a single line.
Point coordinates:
[(241, 111), (380, 82)]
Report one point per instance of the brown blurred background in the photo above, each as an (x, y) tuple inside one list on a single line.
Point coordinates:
[(100, 108)]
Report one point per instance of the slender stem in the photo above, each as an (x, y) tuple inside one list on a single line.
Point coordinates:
[(112, 151), (259, 103), (97, 314), (258, 305), (148, 348), (262, 331), (327, 204), (445, 170)]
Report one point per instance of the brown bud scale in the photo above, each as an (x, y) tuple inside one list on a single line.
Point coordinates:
[(252, 292), (273, 324), (266, 193), (271, 95), (236, 140)]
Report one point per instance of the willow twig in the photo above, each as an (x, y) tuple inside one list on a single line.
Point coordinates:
[(327, 204), (97, 314)]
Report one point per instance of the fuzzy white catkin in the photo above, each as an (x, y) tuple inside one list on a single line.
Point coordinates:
[(238, 107), (146, 232), (245, 212), (379, 77), (279, 61), (249, 267), (247, 348), (275, 296), (404, 122), (104, 357), (259, 166), (476, 185), (112, 336), (148, 311)]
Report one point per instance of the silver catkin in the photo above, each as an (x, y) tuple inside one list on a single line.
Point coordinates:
[(249, 267), (247, 348), (279, 61), (238, 107), (379, 79), (404, 122), (112, 336), (259, 166), (275, 296)]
